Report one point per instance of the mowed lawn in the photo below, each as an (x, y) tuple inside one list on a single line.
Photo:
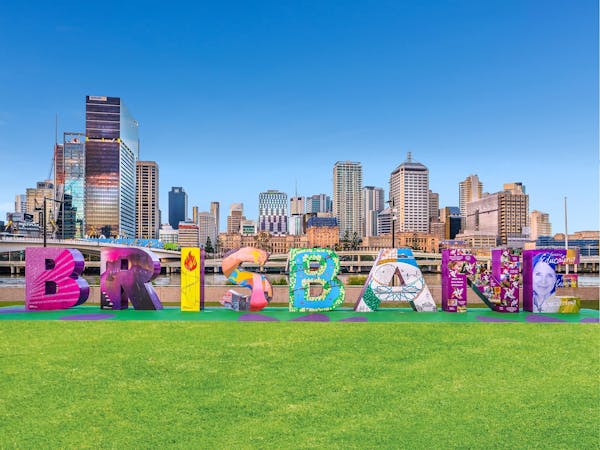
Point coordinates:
[(298, 385)]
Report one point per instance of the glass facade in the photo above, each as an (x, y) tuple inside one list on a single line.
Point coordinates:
[(109, 168), (177, 206), (70, 181)]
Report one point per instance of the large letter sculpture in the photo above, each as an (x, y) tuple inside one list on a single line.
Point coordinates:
[(317, 269), (540, 280), (500, 288), (379, 285), (457, 263), (262, 291), (125, 275), (192, 279), (52, 279)]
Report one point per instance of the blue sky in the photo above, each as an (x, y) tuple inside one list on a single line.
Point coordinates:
[(234, 98)]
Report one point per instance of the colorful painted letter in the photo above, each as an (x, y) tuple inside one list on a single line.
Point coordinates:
[(262, 291), (411, 288), (457, 263), (192, 279), (52, 278), (317, 269), (125, 274), (540, 279), (500, 288)]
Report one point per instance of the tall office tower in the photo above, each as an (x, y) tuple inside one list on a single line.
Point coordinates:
[(147, 216), (66, 220), (434, 207), (539, 224), (272, 212), (347, 197), (374, 203), (195, 211), (111, 150), (178, 206), (451, 218), (21, 203), (514, 213), (384, 222), (504, 214), (469, 190), (319, 203), (35, 202), (409, 194), (69, 179), (214, 210), (207, 228), (297, 204), (235, 218)]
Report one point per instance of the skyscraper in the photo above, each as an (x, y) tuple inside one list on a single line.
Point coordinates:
[(272, 212), (297, 207), (111, 150), (147, 217), (409, 194), (347, 197), (35, 203), (235, 218), (374, 203), (69, 178), (207, 228), (504, 214), (469, 190), (214, 210), (21, 203), (540, 224), (319, 203), (178, 206)]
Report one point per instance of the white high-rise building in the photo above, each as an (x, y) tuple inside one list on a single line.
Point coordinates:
[(207, 228), (374, 203), (347, 197), (409, 194)]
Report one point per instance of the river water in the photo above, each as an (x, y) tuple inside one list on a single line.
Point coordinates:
[(216, 279)]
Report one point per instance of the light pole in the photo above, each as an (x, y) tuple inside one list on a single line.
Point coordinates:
[(393, 218)]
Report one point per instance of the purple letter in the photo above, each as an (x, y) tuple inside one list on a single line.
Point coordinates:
[(52, 278), (457, 263), (125, 275)]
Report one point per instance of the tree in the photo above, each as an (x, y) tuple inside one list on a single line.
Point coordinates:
[(355, 241), (345, 241), (208, 246)]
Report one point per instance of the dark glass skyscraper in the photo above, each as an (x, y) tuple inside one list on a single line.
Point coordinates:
[(177, 206), (112, 149), (69, 180)]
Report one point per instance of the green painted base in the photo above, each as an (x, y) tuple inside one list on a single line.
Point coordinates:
[(273, 314)]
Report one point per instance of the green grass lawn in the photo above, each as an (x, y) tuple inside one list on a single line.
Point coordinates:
[(298, 385)]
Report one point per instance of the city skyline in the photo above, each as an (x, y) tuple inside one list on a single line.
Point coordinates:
[(504, 90)]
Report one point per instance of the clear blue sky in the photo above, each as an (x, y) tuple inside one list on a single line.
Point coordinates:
[(237, 97)]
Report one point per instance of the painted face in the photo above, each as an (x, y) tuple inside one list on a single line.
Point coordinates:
[(544, 278)]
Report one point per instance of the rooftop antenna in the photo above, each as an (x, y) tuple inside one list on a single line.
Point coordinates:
[(409, 157)]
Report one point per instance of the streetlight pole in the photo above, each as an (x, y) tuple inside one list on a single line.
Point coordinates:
[(393, 220)]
